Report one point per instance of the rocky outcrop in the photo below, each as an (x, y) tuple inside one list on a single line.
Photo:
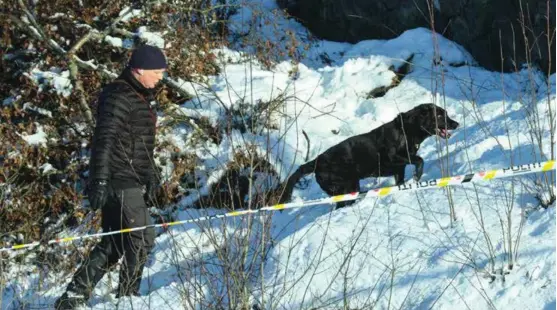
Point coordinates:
[(486, 28)]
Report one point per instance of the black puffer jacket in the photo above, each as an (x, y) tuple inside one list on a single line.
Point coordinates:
[(124, 137)]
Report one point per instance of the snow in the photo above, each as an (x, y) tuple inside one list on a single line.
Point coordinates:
[(60, 81), (30, 106), (8, 101), (46, 168), (126, 14), (114, 41), (400, 251), (151, 38), (58, 15), (38, 138)]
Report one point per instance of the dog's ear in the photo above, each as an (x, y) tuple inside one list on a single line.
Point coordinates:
[(413, 116), (406, 119), (400, 119), (429, 112)]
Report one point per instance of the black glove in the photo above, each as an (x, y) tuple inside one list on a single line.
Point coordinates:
[(98, 194)]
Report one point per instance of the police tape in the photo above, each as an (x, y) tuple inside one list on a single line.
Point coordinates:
[(379, 192)]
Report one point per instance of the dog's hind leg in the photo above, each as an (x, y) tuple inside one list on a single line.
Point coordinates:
[(349, 187), (342, 204), (334, 184)]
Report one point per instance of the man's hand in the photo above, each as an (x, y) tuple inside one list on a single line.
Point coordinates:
[(98, 194)]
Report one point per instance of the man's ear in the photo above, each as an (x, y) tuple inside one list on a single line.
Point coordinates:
[(137, 71)]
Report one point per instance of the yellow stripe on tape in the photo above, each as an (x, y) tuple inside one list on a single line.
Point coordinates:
[(384, 191), (173, 223), (338, 198), (548, 166), (444, 182), (126, 230), (279, 206), (490, 175), (235, 213), (18, 246), (67, 239)]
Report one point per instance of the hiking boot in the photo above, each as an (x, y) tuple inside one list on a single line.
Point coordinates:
[(69, 301)]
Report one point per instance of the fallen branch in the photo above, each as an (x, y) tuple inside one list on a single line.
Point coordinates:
[(86, 110)]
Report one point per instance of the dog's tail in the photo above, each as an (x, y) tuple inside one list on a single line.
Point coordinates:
[(288, 188), (307, 168)]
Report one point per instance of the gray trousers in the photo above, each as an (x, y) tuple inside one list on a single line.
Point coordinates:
[(125, 208)]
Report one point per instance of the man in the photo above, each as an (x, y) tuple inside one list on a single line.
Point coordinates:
[(121, 166)]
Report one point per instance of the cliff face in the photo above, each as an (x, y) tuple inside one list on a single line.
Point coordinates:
[(486, 28)]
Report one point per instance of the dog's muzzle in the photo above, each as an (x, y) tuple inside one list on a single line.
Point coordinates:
[(443, 132)]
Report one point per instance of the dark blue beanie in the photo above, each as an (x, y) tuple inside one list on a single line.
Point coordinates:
[(147, 57)]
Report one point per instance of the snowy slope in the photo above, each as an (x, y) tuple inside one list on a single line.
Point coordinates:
[(397, 252)]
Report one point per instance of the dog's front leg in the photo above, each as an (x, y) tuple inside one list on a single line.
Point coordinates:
[(415, 160), (399, 175), (419, 164)]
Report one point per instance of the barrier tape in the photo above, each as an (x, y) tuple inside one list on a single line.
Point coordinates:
[(379, 192)]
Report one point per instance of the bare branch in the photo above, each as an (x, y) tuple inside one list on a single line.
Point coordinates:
[(53, 45)]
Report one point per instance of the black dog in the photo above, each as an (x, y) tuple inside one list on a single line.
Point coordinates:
[(384, 151)]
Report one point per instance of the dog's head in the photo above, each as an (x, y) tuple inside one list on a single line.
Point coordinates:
[(431, 119)]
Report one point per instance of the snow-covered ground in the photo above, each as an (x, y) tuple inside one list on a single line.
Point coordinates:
[(396, 252)]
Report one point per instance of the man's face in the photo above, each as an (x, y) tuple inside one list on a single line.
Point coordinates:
[(149, 78)]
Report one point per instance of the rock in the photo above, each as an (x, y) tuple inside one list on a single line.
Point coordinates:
[(486, 28), (400, 73)]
